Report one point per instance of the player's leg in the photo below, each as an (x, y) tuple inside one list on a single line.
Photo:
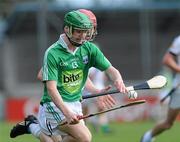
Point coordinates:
[(104, 123), (159, 128), (23, 127), (57, 138), (47, 129), (79, 132), (44, 138), (30, 126), (167, 124), (173, 111), (50, 118), (36, 132), (92, 107)]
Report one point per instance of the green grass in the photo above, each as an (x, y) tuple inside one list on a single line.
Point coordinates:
[(4, 134), (122, 132)]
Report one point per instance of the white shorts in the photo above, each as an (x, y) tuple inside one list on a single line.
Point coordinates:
[(175, 100), (50, 116)]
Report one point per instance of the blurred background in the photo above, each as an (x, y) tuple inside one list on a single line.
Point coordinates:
[(133, 35)]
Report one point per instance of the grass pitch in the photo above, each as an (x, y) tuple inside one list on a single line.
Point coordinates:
[(121, 132)]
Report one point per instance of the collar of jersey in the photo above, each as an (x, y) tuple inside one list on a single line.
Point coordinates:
[(64, 45), (62, 42)]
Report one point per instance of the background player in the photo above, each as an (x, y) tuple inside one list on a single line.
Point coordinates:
[(99, 122), (172, 60)]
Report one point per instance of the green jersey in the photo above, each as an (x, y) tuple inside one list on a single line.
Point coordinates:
[(70, 70)]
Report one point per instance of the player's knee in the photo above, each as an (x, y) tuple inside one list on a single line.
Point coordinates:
[(45, 138), (88, 138), (56, 138), (85, 137)]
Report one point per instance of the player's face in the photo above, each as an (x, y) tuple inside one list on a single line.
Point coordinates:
[(90, 34), (80, 36)]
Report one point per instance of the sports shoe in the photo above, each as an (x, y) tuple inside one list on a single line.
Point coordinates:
[(146, 138), (22, 127)]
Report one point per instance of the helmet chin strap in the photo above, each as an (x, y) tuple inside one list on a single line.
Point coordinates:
[(73, 42)]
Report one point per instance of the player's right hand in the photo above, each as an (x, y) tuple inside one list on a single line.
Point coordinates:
[(119, 84), (72, 118)]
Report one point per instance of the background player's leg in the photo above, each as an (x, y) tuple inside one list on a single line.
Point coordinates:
[(167, 124)]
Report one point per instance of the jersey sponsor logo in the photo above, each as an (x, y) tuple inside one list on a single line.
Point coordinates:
[(72, 80), (85, 59)]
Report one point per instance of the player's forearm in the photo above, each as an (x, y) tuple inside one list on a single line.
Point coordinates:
[(91, 87), (114, 74), (56, 97)]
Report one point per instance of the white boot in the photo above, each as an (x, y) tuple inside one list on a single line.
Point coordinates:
[(147, 137)]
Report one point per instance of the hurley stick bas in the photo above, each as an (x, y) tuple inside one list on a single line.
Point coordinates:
[(156, 82)]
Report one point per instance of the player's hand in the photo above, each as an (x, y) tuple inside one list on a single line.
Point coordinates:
[(119, 84), (71, 118), (106, 101)]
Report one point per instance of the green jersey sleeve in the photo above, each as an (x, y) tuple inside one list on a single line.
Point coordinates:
[(50, 71), (99, 60)]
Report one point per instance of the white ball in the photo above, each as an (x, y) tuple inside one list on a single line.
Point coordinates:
[(132, 94)]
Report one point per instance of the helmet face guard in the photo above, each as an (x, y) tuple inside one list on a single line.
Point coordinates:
[(73, 39), (76, 20), (93, 32)]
